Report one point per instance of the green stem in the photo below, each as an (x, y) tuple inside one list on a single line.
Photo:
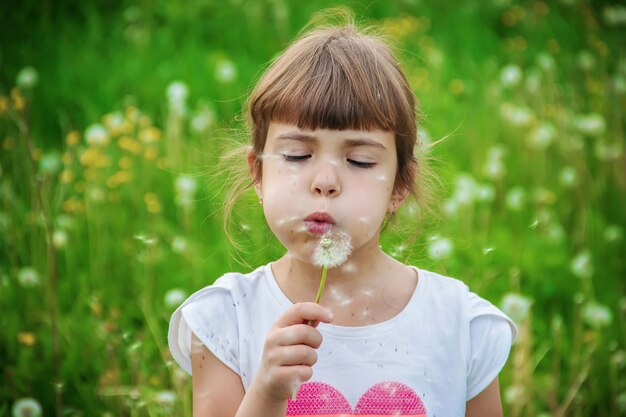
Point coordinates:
[(322, 284)]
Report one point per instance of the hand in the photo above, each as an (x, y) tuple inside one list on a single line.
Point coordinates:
[(289, 351)]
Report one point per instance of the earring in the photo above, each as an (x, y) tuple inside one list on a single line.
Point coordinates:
[(261, 201)]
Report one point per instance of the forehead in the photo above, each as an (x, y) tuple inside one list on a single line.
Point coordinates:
[(288, 133)]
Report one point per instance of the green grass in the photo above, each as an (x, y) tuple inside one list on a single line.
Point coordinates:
[(545, 222)]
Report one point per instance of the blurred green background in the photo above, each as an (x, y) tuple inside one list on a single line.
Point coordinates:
[(113, 117)]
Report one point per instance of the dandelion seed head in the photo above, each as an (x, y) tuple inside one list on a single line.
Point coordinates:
[(515, 199), (177, 93), (440, 248), (516, 306), (28, 277), (225, 71), (27, 78), (96, 135), (59, 238), (510, 76), (179, 244), (596, 315), (581, 266), (333, 249), (568, 177), (26, 407)]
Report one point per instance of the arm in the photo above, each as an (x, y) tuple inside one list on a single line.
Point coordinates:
[(288, 355), (487, 403)]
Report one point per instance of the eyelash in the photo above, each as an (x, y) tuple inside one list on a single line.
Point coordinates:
[(302, 158)]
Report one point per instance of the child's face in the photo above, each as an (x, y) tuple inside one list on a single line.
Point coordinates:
[(347, 174)]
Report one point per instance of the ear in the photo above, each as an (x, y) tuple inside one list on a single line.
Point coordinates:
[(253, 166), (397, 199)]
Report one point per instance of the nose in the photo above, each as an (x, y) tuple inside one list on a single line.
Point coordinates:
[(326, 180)]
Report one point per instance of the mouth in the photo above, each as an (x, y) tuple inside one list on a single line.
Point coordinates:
[(319, 223)]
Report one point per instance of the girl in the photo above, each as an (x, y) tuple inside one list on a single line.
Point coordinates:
[(333, 135)]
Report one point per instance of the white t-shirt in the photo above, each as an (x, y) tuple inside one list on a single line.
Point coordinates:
[(440, 351)]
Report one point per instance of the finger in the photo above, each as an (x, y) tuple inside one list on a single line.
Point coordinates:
[(297, 355), (299, 334), (302, 313)]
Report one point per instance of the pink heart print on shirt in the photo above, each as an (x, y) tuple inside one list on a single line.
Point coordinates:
[(383, 399)]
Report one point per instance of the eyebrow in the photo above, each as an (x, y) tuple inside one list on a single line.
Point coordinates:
[(349, 143)]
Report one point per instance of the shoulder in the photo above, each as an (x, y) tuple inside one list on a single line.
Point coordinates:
[(212, 313), (455, 295)]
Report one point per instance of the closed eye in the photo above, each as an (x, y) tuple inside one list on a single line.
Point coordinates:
[(296, 158), (361, 164)]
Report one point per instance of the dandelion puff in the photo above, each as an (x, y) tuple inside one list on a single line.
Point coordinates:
[(28, 277), (174, 297), (27, 78), (440, 248), (59, 238), (596, 315), (179, 244), (96, 135), (26, 407), (516, 306), (581, 266), (333, 249), (511, 75)]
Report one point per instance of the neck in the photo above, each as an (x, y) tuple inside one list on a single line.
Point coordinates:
[(300, 279)]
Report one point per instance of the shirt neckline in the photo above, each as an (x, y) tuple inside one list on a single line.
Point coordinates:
[(357, 331)]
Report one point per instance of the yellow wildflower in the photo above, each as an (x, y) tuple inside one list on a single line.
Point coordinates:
[(67, 176), (125, 162), (149, 135), (18, 99), (72, 138), (26, 338), (4, 104), (145, 122), (153, 205)]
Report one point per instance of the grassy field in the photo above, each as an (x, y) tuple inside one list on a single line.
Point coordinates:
[(113, 118)]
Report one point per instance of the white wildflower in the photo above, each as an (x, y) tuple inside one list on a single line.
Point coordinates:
[(615, 15), (333, 249), (510, 76), (516, 116), (613, 233), (179, 244), (542, 136), (225, 71), (177, 93), (174, 297), (165, 398), (28, 277), (568, 177), (592, 124), (59, 238), (608, 151), (494, 168), (516, 306), (581, 266), (185, 187), (515, 198), (597, 315), (514, 394), (27, 78), (202, 121), (545, 61), (485, 193), (440, 248), (26, 407), (96, 135), (50, 163), (585, 60)]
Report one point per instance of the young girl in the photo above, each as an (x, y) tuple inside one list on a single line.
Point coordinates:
[(333, 135)]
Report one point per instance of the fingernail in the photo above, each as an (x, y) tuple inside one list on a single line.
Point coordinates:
[(330, 316)]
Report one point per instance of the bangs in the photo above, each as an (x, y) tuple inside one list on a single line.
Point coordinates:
[(335, 82)]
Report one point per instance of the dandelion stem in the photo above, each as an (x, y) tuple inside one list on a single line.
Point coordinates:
[(320, 290)]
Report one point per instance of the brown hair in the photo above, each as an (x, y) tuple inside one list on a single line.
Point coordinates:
[(338, 78), (335, 77)]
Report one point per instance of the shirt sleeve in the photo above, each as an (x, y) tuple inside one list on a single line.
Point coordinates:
[(210, 314), (491, 336)]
